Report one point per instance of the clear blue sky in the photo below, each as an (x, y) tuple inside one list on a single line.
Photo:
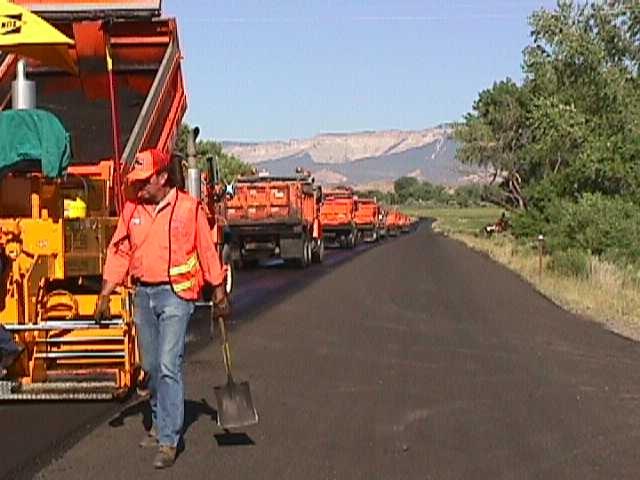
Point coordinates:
[(280, 69)]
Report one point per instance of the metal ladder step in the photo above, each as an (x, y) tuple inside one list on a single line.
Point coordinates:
[(87, 354), (14, 391), (65, 325), (80, 339)]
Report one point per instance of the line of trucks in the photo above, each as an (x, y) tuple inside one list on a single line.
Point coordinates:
[(116, 88)]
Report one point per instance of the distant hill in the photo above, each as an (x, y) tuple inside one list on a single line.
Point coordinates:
[(364, 159)]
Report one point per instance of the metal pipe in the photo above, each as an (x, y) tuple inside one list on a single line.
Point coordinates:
[(115, 129), (23, 91), (194, 184), (194, 176)]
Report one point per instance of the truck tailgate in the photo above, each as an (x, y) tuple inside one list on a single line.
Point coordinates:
[(261, 202)]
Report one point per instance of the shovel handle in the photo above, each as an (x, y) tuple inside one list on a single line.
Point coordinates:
[(226, 350)]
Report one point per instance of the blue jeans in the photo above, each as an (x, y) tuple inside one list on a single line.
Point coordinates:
[(161, 319), (8, 348)]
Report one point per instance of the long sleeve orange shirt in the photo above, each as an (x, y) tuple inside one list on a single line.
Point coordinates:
[(141, 248)]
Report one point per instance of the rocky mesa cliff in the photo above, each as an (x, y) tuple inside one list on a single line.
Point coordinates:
[(335, 148), (363, 158)]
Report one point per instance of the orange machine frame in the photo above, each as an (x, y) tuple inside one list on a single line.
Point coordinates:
[(129, 95)]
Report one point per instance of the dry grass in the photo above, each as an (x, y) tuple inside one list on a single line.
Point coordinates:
[(609, 295)]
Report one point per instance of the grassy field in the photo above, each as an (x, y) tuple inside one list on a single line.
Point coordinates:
[(609, 295), (457, 220)]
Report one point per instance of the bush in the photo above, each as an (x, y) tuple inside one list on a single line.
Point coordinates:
[(608, 227), (573, 262)]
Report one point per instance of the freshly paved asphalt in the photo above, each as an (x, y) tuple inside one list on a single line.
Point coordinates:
[(33, 433), (416, 359)]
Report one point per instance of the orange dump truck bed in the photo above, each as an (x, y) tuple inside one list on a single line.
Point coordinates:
[(367, 219), (337, 212), (276, 217), (337, 215), (393, 222)]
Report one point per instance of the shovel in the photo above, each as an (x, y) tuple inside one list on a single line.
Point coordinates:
[(235, 406)]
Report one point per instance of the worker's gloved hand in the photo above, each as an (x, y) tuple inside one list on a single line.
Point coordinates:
[(222, 307), (221, 303), (103, 312)]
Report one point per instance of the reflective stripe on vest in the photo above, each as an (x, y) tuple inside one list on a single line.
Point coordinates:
[(185, 271), (180, 287), (191, 264)]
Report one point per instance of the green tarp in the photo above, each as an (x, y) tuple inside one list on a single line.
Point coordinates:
[(34, 136)]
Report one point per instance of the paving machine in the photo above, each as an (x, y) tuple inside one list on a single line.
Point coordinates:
[(115, 86)]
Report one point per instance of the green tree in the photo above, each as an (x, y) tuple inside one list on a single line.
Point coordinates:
[(570, 133), (494, 135), (406, 188), (573, 124), (231, 167)]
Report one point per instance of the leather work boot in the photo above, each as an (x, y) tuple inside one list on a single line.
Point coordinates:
[(165, 457), (150, 439)]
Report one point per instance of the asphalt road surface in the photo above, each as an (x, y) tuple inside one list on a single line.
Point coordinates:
[(416, 359), (34, 433)]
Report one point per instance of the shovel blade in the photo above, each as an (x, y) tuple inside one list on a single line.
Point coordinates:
[(235, 405)]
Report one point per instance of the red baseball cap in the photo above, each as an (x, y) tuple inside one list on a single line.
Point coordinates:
[(146, 163)]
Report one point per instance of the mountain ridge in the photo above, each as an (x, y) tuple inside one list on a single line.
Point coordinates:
[(363, 158), (339, 147)]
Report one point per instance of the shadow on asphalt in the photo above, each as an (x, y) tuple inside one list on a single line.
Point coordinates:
[(192, 412), (233, 439)]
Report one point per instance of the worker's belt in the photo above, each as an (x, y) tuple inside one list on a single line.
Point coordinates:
[(142, 283)]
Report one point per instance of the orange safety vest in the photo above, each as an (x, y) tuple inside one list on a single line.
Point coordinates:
[(185, 274)]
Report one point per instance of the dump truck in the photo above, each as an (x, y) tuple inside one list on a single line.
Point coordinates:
[(109, 86), (367, 219), (275, 217), (392, 222), (405, 223), (337, 215)]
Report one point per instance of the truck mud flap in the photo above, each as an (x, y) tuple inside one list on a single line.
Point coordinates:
[(291, 248)]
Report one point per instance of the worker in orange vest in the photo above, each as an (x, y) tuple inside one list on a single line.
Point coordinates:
[(164, 243)]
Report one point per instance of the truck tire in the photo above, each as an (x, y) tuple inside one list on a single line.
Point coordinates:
[(318, 254), (304, 258), (351, 240), (231, 274), (307, 249)]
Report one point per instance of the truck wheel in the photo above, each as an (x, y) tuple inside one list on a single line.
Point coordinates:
[(228, 261), (351, 240), (318, 254), (305, 257), (307, 253), (231, 275)]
